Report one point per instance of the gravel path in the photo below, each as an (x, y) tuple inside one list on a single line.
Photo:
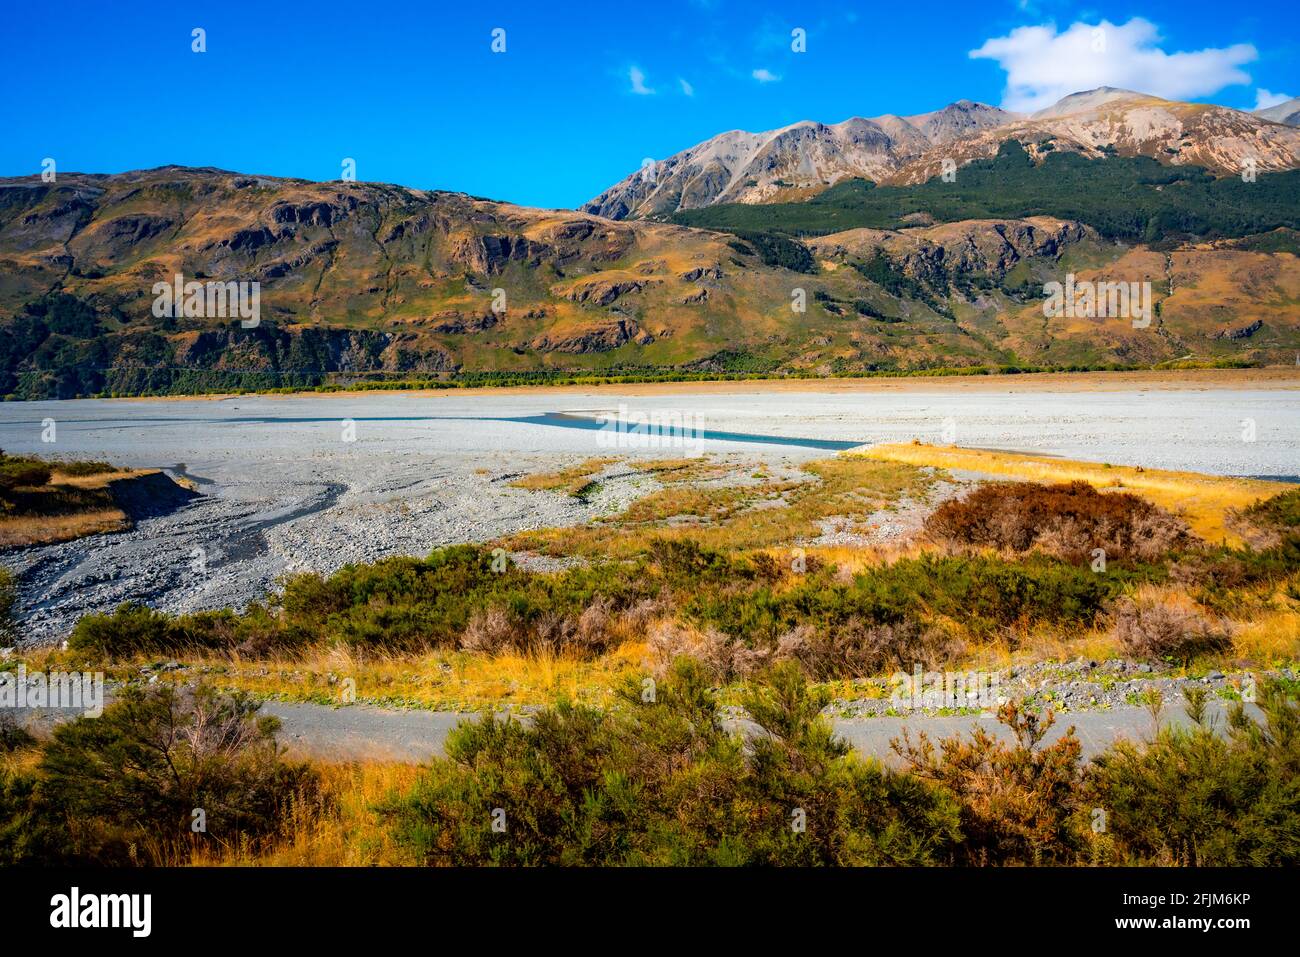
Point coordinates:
[(365, 733), (359, 732)]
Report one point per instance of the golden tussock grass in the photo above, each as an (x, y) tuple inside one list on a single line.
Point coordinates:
[(437, 680), (92, 513), (343, 826), (571, 480), (1269, 639), (22, 530)]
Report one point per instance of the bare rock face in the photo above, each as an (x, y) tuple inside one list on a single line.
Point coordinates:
[(603, 292), (1241, 332), (800, 160), (1287, 113), (991, 247), (599, 337), (491, 254)]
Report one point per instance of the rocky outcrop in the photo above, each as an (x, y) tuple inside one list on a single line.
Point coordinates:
[(936, 254), (601, 337), (490, 254), (603, 292), (455, 323), (1240, 332)]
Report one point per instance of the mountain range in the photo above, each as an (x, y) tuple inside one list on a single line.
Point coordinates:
[(798, 161), (818, 250)]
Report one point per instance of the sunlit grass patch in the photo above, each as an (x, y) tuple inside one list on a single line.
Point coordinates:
[(438, 680), (744, 515), (572, 481), (682, 470), (43, 502), (711, 503), (342, 826), (1269, 639), (23, 530)]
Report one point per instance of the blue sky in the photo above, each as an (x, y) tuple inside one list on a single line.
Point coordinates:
[(583, 91)]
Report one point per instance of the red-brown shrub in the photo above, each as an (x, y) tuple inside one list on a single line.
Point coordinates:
[(1069, 520)]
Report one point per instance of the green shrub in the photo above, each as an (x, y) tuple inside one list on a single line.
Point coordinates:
[(660, 782), (23, 473), (23, 838), (81, 469), (123, 788), (983, 593), (131, 629), (1280, 511), (1194, 797), (395, 604)]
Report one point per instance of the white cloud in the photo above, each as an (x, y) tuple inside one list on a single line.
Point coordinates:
[(637, 79), (1044, 65), (765, 76), (686, 87), (1264, 98)]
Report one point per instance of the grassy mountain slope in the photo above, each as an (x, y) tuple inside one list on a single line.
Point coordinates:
[(360, 280)]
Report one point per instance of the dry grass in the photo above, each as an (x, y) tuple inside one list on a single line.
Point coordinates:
[(342, 827), (441, 680), (20, 531), (716, 503), (1204, 501), (89, 510), (571, 481), (740, 516), (97, 479), (683, 470), (1046, 644), (1269, 639), (1169, 626)]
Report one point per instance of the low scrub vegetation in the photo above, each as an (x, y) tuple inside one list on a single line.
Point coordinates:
[(159, 774), (472, 598), (736, 611), (1018, 574), (1070, 520), (1153, 630), (1194, 797), (658, 779), (460, 593)]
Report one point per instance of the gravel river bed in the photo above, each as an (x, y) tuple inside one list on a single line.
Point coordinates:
[(315, 482)]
